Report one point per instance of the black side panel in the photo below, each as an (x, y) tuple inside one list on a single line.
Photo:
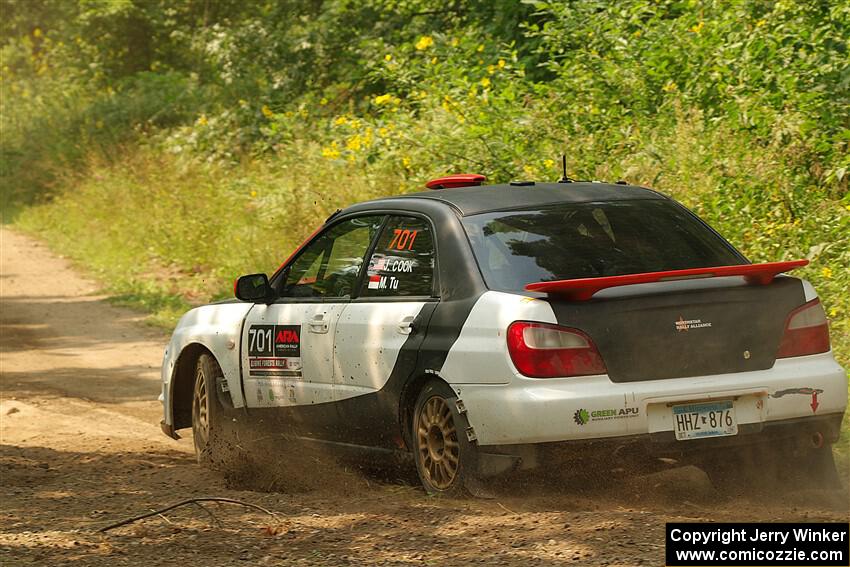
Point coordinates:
[(695, 328)]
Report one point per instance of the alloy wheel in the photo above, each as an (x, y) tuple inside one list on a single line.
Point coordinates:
[(437, 443)]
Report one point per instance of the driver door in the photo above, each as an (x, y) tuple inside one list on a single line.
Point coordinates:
[(287, 347)]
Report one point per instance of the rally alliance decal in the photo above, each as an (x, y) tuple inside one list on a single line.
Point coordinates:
[(686, 324), (274, 350)]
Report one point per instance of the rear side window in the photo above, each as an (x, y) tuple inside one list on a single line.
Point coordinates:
[(586, 240), (402, 264)]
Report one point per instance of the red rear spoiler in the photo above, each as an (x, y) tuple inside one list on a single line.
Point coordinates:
[(584, 288)]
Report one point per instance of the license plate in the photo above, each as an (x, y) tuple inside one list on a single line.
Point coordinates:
[(696, 421)]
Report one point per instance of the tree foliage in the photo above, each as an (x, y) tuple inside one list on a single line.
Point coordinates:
[(740, 108)]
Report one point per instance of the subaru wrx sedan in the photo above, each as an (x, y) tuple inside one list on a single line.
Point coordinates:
[(487, 329)]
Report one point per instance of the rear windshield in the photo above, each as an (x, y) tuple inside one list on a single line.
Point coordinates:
[(586, 240)]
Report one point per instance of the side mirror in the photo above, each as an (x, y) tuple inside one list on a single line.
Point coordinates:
[(254, 288)]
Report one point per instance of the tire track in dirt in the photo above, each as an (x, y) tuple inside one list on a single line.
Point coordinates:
[(80, 447)]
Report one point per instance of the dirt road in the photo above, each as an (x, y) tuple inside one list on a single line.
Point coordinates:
[(81, 448)]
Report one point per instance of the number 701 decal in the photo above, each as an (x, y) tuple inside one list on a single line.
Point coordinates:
[(403, 239)]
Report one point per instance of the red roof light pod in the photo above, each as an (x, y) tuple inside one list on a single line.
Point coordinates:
[(457, 180)]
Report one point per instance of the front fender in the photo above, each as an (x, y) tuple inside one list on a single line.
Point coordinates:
[(217, 328)]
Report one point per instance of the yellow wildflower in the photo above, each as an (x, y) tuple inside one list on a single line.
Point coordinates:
[(501, 63), (267, 112), (485, 82), (36, 32), (760, 23), (383, 99), (669, 87), (548, 163), (826, 272), (433, 61), (323, 102), (455, 42), (424, 42), (383, 132), (202, 120), (480, 48), (331, 152), (340, 121), (388, 57), (528, 170), (637, 33), (253, 194), (491, 69), (353, 143), (698, 28), (833, 312), (405, 161)]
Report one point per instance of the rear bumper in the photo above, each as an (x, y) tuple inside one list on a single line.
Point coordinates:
[(803, 433), (531, 411)]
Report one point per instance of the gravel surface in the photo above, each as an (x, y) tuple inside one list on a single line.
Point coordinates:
[(81, 448)]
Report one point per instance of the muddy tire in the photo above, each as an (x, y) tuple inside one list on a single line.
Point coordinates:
[(207, 413), (443, 455)]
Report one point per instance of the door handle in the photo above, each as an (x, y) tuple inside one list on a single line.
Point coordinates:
[(318, 324), (405, 326)]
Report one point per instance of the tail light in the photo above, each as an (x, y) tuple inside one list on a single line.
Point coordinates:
[(539, 350), (806, 331)]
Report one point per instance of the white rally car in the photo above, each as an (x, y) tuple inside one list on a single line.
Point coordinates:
[(492, 328)]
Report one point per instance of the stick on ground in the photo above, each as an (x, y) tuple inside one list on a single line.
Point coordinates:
[(183, 503)]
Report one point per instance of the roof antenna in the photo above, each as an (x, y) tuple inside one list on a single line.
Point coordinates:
[(564, 179)]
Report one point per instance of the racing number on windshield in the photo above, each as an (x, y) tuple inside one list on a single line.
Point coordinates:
[(403, 239), (402, 263)]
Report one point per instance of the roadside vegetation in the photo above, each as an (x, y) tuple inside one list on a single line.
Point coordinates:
[(169, 147)]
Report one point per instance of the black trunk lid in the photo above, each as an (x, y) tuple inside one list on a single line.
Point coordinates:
[(685, 328)]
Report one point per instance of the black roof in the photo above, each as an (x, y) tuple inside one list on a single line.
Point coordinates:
[(487, 198)]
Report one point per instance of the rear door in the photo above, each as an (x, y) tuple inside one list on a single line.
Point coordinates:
[(379, 333), (287, 347)]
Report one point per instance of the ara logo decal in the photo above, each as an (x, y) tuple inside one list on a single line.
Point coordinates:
[(686, 324), (287, 340), (287, 336)]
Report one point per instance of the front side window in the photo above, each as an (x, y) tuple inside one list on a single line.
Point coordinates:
[(402, 264), (587, 240), (329, 266)]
